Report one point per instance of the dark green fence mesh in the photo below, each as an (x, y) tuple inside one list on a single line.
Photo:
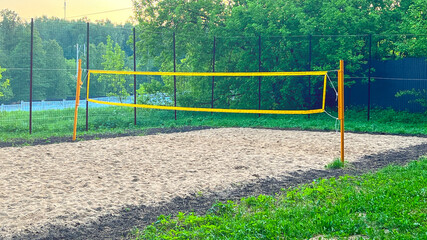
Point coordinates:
[(382, 71)]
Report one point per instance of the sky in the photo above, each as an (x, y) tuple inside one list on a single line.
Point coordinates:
[(75, 9)]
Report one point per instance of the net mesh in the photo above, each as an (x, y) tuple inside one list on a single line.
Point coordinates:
[(115, 78)]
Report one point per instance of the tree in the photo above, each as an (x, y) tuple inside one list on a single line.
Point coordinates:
[(58, 81), (114, 59), (237, 25), (97, 88), (415, 22), (5, 91), (20, 60), (11, 27), (197, 19), (11, 30)]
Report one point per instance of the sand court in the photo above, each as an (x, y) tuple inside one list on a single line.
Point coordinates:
[(74, 183)]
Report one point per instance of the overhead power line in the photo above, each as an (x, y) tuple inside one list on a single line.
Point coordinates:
[(89, 14)]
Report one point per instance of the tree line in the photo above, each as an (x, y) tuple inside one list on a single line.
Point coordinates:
[(248, 35), (285, 30), (56, 44)]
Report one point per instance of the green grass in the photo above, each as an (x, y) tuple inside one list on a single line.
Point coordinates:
[(336, 164), (50, 123), (389, 204)]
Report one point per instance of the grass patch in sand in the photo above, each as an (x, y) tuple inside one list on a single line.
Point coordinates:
[(389, 204), (336, 164)]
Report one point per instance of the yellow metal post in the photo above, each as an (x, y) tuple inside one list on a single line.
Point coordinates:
[(341, 105), (79, 83)]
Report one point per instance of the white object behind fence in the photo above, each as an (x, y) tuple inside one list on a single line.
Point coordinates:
[(57, 105)]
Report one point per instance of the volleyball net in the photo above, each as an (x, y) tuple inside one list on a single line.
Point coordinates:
[(213, 74), (321, 109)]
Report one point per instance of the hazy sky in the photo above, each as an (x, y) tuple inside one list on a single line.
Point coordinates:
[(28, 9)]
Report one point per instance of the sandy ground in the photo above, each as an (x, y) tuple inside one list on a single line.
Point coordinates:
[(73, 183)]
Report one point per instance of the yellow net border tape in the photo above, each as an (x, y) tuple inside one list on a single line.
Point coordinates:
[(214, 74), (210, 74), (222, 110)]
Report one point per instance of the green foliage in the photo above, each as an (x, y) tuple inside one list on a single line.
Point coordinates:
[(147, 92), (58, 82), (97, 88), (415, 22), (11, 27), (420, 96), (336, 164), (114, 59), (68, 33), (19, 58), (55, 43), (283, 25), (5, 91), (280, 25), (389, 204)]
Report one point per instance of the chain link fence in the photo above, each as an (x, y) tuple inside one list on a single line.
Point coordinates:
[(40, 60)]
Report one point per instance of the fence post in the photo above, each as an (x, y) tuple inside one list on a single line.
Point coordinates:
[(259, 77), (31, 77), (87, 71), (369, 76), (309, 69), (134, 76), (174, 70)]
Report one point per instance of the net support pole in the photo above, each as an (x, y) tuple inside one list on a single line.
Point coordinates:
[(31, 77), (213, 70), (76, 110), (341, 105), (87, 68), (134, 76), (174, 70)]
